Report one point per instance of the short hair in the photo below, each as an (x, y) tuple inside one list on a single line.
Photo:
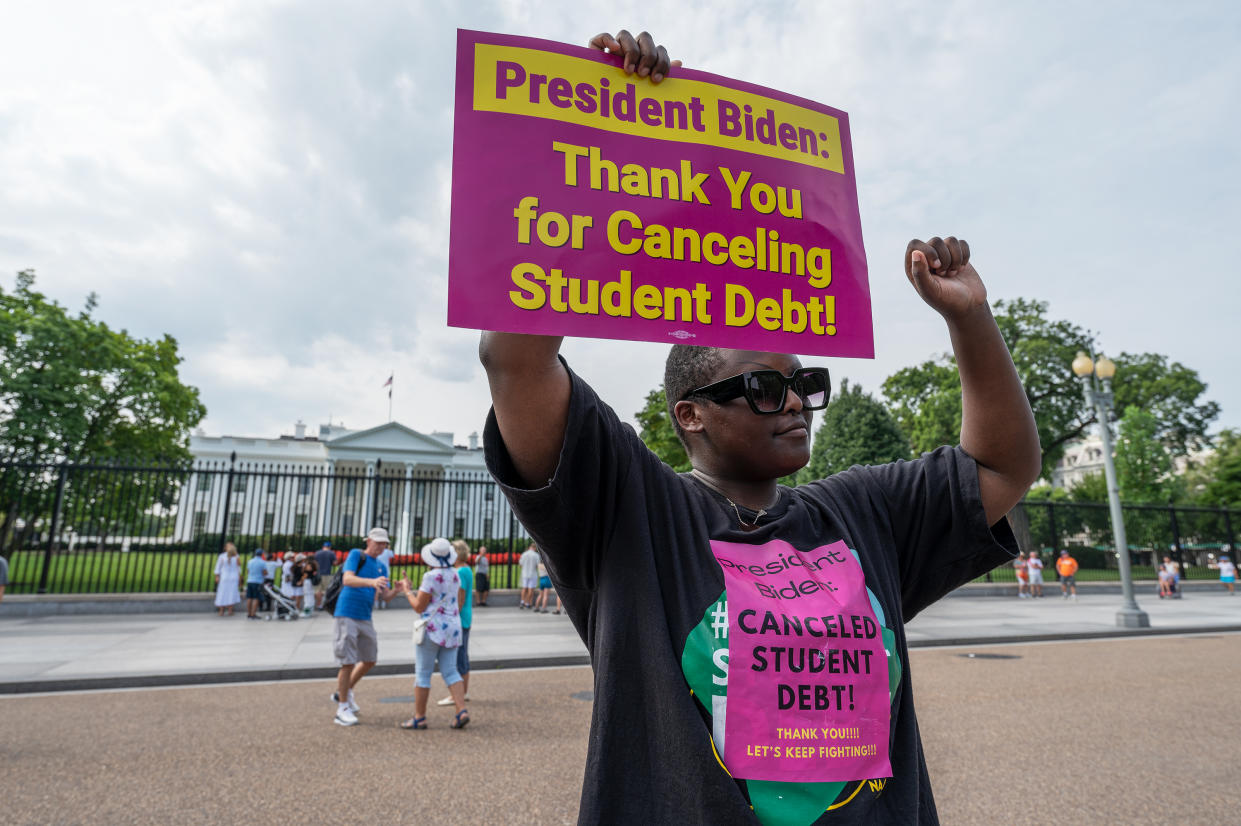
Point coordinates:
[(686, 369)]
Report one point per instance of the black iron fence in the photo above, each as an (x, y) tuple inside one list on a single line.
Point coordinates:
[(83, 528), (1194, 537)]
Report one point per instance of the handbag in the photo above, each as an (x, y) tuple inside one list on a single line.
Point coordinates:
[(420, 630)]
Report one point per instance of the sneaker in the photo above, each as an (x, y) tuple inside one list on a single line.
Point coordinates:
[(345, 717), (353, 705), (447, 701)]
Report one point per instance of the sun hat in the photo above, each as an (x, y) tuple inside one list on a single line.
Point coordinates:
[(439, 553), (378, 535)]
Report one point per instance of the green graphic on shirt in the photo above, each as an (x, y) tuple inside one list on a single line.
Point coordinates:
[(704, 662)]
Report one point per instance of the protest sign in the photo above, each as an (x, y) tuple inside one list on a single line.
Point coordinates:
[(710, 211)]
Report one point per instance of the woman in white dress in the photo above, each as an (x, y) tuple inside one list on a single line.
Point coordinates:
[(227, 580)]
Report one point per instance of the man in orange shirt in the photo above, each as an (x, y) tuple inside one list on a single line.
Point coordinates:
[(1066, 566)]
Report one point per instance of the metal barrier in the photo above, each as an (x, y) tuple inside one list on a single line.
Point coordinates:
[(85, 528)]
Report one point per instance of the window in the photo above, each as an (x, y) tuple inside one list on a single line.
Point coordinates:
[(351, 487), (385, 490), (487, 528), (234, 523), (204, 481), (200, 523), (299, 524), (304, 487), (273, 482), (418, 526), (490, 495), (269, 523), (458, 527), (346, 524), (239, 483), (461, 494), (420, 492)]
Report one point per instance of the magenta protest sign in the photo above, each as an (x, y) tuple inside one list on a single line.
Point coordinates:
[(808, 693), (704, 210)]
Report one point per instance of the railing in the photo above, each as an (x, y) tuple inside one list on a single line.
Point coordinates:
[(83, 528), (1194, 537)]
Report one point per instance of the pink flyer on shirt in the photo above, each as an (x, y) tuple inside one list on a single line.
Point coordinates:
[(701, 210), (807, 675)]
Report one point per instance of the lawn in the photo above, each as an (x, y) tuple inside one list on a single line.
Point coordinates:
[(115, 572)]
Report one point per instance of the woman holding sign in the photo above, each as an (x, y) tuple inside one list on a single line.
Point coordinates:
[(748, 638)]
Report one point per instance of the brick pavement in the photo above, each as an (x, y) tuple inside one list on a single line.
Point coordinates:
[(1134, 731)]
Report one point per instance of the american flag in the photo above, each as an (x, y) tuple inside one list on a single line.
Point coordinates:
[(388, 384)]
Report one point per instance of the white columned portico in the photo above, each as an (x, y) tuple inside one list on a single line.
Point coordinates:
[(407, 538), (365, 518), (325, 499)]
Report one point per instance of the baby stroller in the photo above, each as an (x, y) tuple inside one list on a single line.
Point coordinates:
[(281, 606)]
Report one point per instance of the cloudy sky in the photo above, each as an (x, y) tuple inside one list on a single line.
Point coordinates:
[(269, 181)]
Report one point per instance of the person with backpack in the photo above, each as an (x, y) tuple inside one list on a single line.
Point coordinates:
[(355, 643)]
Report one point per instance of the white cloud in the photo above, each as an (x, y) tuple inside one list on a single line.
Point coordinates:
[(269, 181)]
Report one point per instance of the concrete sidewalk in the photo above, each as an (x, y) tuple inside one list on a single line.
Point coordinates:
[(67, 652)]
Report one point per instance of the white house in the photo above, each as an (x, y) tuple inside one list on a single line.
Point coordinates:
[(340, 483)]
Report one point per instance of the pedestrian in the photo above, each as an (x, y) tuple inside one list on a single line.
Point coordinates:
[(682, 584), (465, 605), (482, 576), (1066, 567), (310, 574), (1227, 575), (354, 641), (269, 579), (1174, 579), (288, 577), (1164, 572), (1034, 570), (325, 561), (256, 569), (4, 576), (227, 580), (545, 586), (385, 559), (529, 565), (437, 632), (1019, 564)]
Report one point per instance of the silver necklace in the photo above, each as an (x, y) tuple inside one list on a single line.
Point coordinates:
[(751, 525)]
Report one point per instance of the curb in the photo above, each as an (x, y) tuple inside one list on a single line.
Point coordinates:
[(406, 668), (397, 669)]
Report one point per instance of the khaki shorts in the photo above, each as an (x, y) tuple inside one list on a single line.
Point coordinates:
[(355, 641)]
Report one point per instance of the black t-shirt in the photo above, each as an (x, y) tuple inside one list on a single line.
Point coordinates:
[(820, 695)]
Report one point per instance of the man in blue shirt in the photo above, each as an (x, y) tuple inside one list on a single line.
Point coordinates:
[(354, 642), (325, 558), (256, 569)]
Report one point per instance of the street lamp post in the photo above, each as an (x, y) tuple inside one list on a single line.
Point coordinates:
[(1098, 392)]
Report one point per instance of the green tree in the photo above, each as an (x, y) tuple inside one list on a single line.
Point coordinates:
[(927, 398), (74, 390), (1217, 480), (1143, 475), (926, 402), (856, 430), (659, 433)]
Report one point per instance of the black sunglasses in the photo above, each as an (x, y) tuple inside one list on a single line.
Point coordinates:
[(765, 390)]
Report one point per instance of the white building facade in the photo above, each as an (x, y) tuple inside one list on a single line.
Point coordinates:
[(340, 483)]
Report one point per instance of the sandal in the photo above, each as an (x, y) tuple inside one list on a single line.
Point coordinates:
[(414, 723), (462, 719)]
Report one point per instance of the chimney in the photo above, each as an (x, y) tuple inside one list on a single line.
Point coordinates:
[(474, 440), (299, 430)]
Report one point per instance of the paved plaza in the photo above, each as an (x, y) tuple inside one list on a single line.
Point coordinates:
[(1133, 731), (121, 650)]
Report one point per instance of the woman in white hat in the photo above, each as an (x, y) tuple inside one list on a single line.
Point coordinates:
[(437, 631)]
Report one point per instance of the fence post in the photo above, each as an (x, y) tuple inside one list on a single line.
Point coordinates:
[(1051, 526), (1232, 548), (1176, 542), (63, 473), (228, 499)]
